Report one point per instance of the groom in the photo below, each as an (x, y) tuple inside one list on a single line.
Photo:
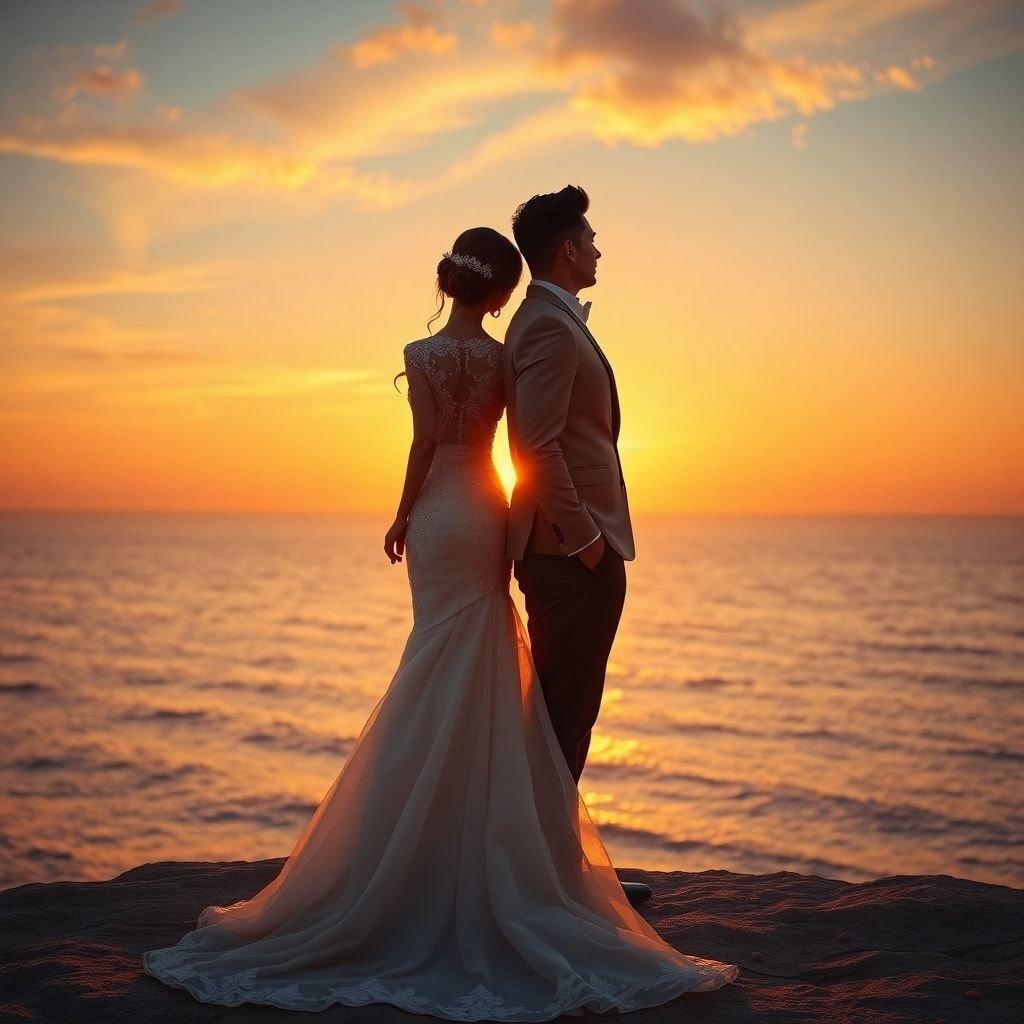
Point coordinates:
[(569, 530)]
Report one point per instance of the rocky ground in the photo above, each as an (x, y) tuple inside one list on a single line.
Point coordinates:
[(906, 948)]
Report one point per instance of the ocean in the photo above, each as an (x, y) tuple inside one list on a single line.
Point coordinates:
[(839, 696)]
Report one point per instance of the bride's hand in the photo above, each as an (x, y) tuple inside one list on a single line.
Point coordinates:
[(394, 539)]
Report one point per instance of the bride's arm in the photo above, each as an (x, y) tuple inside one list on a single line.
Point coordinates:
[(424, 439), (421, 454)]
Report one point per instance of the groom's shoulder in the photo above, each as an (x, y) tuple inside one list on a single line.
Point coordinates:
[(534, 312)]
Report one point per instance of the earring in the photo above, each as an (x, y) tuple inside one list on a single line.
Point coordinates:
[(495, 312)]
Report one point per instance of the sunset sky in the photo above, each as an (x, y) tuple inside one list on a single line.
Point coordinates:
[(221, 222)]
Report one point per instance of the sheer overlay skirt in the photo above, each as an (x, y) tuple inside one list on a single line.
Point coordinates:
[(452, 868)]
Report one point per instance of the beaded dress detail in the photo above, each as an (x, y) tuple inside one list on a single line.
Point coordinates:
[(452, 868)]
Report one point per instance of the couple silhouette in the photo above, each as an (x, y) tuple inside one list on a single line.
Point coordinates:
[(452, 868)]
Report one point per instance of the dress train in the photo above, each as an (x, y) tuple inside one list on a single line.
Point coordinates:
[(452, 868)]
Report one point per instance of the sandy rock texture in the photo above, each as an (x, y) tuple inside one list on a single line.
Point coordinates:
[(905, 948)]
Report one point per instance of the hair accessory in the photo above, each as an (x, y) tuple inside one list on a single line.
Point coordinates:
[(470, 261)]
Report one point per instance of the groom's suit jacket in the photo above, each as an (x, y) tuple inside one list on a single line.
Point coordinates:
[(563, 425)]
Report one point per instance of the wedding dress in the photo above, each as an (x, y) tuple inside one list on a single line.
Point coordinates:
[(452, 868)]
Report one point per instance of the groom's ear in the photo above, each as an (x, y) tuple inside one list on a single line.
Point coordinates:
[(562, 249)]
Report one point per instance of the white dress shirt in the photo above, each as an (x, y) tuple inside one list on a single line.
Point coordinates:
[(582, 310)]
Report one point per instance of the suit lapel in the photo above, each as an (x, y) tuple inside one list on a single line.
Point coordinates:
[(540, 292)]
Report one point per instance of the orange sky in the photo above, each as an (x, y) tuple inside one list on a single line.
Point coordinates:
[(220, 229)]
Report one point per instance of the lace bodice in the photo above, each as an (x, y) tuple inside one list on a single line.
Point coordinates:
[(466, 381)]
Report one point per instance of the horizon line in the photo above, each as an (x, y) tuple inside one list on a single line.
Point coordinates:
[(324, 513)]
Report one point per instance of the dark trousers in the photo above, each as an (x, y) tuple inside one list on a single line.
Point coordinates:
[(572, 615)]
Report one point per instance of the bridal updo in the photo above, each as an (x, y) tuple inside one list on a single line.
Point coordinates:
[(458, 277)]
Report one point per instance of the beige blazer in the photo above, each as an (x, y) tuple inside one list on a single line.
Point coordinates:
[(563, 425)]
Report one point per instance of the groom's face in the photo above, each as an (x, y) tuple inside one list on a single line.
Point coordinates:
[(587, 255)]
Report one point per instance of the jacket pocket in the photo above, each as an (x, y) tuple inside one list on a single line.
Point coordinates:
[(586, 476)]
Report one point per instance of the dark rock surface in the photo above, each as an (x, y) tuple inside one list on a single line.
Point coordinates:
[(906, 948)]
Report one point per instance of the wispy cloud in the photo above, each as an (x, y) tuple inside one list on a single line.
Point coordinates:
[(386, 45), (113, 51), (674, 74), (202, 159), (418, 32), (158, 10), (147, 355), (836, 21), (87, 69), (337, 113), (159, 281), (102, 80), (901, 78), (458, 81), (513, 35), (146, 381)]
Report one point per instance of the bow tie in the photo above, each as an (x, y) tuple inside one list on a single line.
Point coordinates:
[(585, 311)]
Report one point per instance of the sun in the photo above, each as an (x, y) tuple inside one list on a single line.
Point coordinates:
[(506, 471)]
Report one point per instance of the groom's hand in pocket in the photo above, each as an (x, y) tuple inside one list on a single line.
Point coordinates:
[(593, 552)]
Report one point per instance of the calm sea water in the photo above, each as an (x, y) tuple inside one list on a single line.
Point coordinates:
[(840, 696)]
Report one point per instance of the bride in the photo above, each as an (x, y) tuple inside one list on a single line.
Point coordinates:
[(452, 868)]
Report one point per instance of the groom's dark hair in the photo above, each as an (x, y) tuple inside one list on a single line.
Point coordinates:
[(543, 223)]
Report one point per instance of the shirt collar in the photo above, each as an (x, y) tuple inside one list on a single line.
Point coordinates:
[(582, 309)]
